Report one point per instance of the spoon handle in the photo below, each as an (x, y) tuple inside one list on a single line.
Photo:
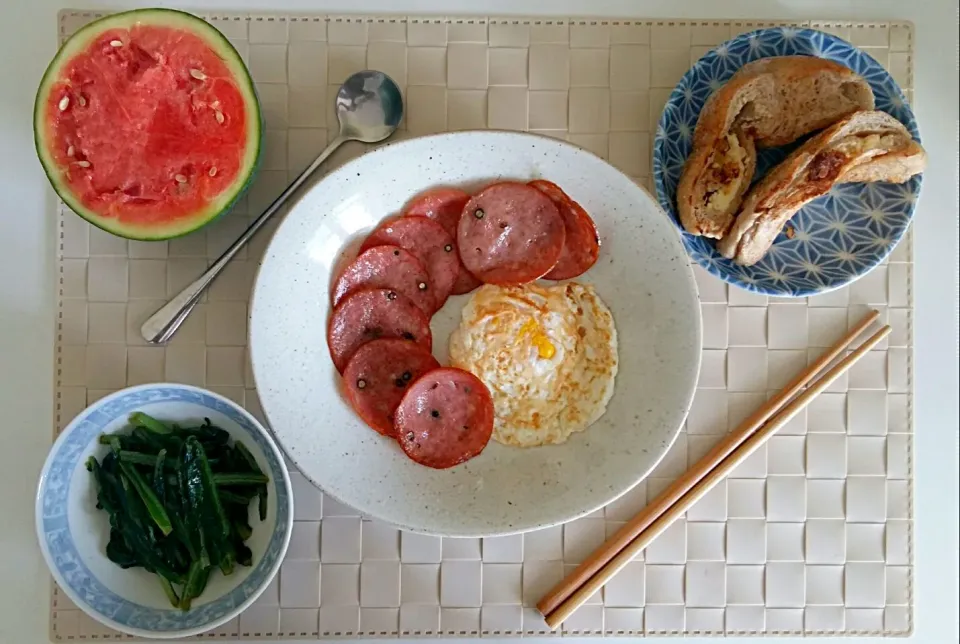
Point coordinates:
[(161, 326)]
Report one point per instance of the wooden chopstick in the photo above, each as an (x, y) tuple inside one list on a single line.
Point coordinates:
[(598, 559), (615, 559)]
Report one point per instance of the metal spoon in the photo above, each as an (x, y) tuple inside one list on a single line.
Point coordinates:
[(369, 108)]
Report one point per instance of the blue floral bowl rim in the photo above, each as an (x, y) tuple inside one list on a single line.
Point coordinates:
[(286, 527)]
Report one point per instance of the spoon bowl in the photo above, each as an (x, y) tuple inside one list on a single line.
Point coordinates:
[(369, 107)]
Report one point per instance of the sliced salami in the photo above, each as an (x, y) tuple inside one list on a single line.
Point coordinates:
[(443, 205), (466, 282), (510, 233), (369, 314), (378, 375), (550, 189), (445, 418), (581, 247), (387, 267), (429, 242)]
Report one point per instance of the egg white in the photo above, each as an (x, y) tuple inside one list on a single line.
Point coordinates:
[(548, 354)]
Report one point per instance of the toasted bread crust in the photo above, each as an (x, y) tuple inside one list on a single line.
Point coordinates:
[(863, 146), (810, 93)]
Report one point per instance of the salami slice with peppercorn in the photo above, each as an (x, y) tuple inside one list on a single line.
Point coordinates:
[(444, 418), (379, 374), (370, 314), (445, 205), (387, 267), (581, 247), (510, 233), (429, 242)]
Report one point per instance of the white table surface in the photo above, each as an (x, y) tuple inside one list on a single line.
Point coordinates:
[(27, 295)]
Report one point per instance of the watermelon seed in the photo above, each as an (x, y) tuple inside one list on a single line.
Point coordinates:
[(213, 171), (81, 100), (83, 164), (116, 43), (199, 75), (70, 151), (64, 103), (219, 116), (180, 178)]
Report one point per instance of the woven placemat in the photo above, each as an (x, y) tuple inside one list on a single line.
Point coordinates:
[(811, 536)]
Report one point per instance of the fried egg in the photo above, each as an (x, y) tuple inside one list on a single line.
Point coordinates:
[(548, 354)]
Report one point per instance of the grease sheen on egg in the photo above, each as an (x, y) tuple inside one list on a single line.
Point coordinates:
[(547, 354)]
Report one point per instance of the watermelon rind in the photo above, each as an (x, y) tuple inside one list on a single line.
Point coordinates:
[(154, 231)]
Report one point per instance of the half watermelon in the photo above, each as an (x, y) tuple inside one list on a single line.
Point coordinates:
[(147, 123)]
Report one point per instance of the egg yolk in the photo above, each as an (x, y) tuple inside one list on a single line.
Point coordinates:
[(545, 348)]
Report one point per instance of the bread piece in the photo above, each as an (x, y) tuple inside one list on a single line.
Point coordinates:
[(895, 167), (864, 146), (810, 93), (713, 183), (771, 101)]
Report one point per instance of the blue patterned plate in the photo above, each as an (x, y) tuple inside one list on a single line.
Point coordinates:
[(840, 236), (73, 533)]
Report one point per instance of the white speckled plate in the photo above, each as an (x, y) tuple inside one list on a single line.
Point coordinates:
[(643, 275)]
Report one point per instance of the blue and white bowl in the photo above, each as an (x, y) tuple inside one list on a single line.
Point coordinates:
[(73, 533), (839, 236)]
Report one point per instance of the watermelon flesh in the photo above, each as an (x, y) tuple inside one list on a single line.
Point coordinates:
[(148, 126)]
